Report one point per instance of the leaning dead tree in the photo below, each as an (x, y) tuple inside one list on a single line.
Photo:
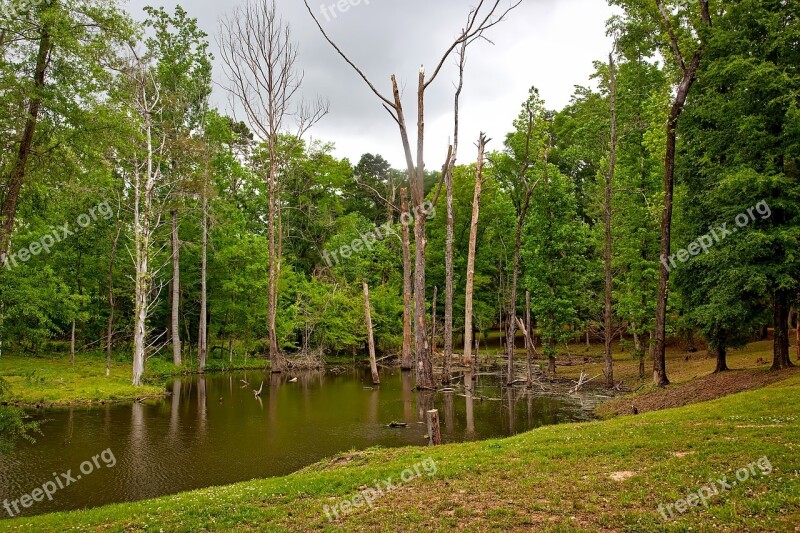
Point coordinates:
[(260, 60), (480, 19)]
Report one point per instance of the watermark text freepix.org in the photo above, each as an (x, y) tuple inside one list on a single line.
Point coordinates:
[(368, 495), (715, 488), (332, 11), (717, 235), (59, 482), (48, 240), (12, 9), (368, 240)]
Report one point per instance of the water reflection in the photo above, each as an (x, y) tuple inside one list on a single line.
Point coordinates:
[(213, 430)]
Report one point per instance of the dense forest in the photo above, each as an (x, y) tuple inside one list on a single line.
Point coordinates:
[(660, 206)]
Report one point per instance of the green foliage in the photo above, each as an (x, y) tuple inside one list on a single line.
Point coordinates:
[(13, 422)]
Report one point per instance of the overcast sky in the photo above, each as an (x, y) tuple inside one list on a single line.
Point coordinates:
[(550, 44)]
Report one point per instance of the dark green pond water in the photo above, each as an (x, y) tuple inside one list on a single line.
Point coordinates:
[(214, 431)]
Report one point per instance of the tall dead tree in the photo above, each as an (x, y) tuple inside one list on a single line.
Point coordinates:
[(260, 58), (449, 264), (145, 182), (473, 243), (607, 220), (175, 296), (688, 77), (528, 188), (479, 21), (405, 360)]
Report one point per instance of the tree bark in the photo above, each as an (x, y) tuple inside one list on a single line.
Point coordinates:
[(781, 360), (111, 302), (176, 291), (530, 345), (202, 334), (721, 354), (607, 220), (376, 380), (433, 320), (405, 360), (19, 170), (689, 76), (272, 299), (72, 345), (473, 241)]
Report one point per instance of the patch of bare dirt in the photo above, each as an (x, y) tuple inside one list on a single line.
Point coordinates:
[(698, 390)]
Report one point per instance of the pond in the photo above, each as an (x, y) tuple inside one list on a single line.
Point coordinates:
[(213, 430)]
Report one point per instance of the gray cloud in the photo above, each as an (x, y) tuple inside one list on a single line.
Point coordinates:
[(547, 43)]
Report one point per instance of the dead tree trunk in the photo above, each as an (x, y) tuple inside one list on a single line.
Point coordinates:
[(433, 320), (689, 75), (473, 243), (477, 23), (607, 220), (405, 360), (449, 272), (260, 60), (202, 334), (111, 301), (72, 345), (144, 190), (376, 380), (176, 291)]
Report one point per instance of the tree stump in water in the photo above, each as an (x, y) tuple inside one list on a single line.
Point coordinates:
[(434, 432)]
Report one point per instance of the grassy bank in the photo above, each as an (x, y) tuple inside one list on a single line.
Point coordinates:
[(606, 475), (52, 381)]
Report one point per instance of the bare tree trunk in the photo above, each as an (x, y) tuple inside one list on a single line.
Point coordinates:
[(689, 76), (473, 242), (477, 23), (272, 311), (529, 340), (144, 192), (639, 351), (376, 380), (72, 345), (176, 291), (607, 220), (405, 360), (433, 320), (19, 169), (202, 335), (260, 60), (111, 301), (449, 271)]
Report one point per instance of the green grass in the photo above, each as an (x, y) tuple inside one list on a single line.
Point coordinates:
[(52, 380), (606, 475)]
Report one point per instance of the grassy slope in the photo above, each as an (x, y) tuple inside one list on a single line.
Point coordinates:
[(553, 478)]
